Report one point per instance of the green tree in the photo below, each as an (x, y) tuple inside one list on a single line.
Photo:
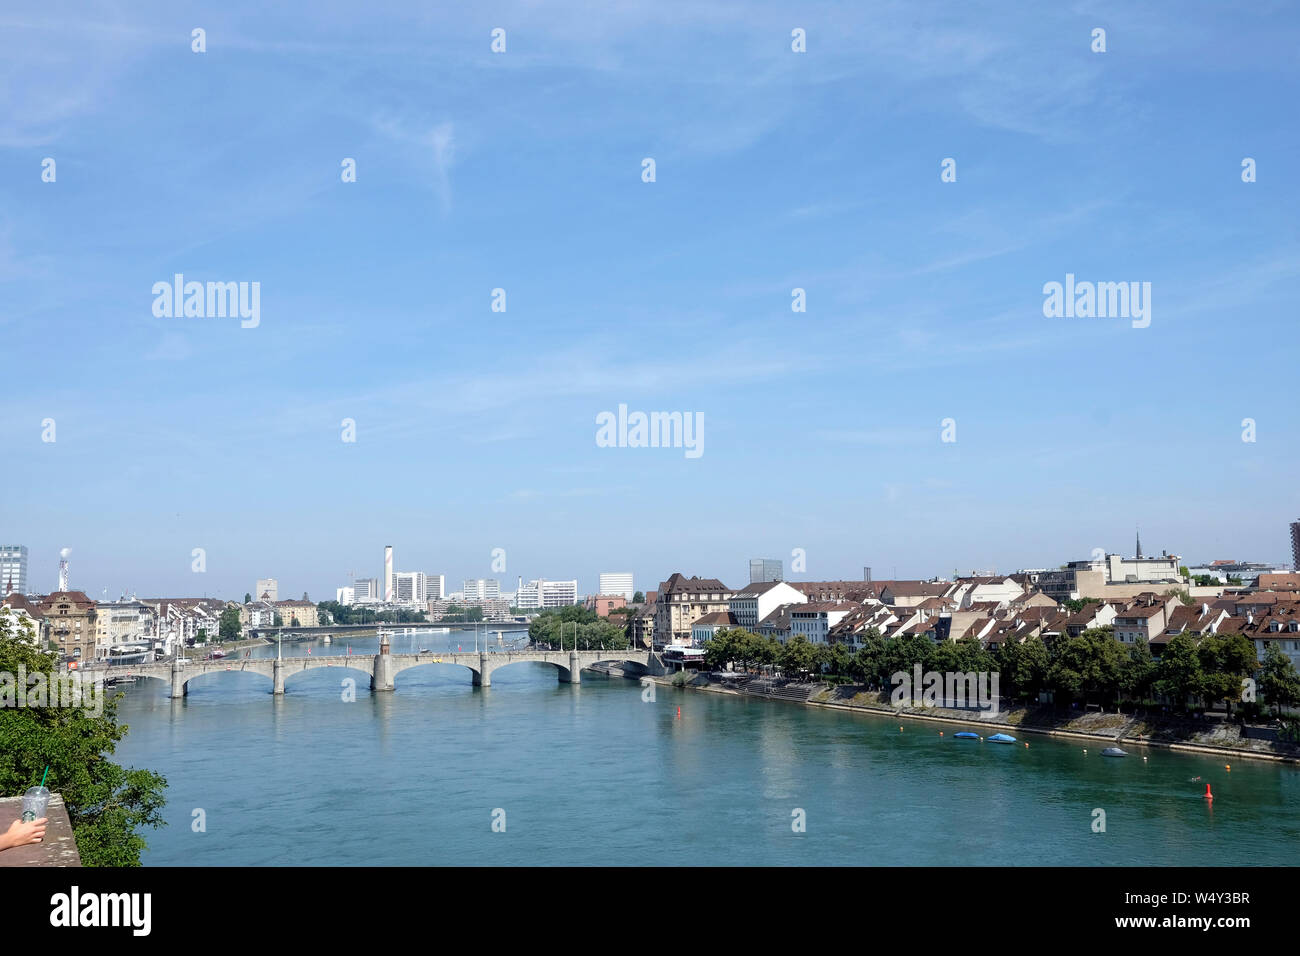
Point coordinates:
[(248, 598), (574, 625), (1138, 674), (798, 657), (720, 651), (1278, 681), (840, 660), (1178, 673), (1226, 660), (228, 625), (107, 803), (902, 654), (1022, 668), (638, 598), (1089, 667), (868, 661)]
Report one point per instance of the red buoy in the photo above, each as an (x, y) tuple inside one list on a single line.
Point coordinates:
[(1208, 795), (679, 713)]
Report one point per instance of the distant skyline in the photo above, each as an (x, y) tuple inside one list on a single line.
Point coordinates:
[(775, 171), (222, 585)]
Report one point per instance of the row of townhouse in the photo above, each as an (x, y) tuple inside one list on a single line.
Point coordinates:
[(79, 628), (180, 621), (991, 609), (261, 615), (690, 610)]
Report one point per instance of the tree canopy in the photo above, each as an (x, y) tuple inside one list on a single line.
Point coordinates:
[(574, 625), (106, 803)]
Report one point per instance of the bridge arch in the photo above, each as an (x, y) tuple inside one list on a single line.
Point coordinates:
[(565, 673), (476, 675), (631, 663), (200, 675), (361, 669)]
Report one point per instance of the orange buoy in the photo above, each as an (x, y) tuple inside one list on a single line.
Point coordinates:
[(1228, 767), (941, 733), (1026, 745), (1208, 795), (900, 730), (679, 711)]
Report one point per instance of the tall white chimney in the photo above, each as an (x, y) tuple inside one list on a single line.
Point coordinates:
[(388, 574)]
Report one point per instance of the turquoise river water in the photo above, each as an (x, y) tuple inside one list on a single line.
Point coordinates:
[(595, 774)]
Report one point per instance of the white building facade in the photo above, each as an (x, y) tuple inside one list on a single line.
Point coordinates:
[(756, 601), (616, 582), (482, 589), (543, 594), (814, 621)]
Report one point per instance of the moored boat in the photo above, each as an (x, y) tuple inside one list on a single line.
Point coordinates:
[(1114, 752), (1001, 739), (967, 735)]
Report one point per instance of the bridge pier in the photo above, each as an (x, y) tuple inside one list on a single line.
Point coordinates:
[(178, 681), (278, 677), (385, 668), (483, 676), (574, 676)]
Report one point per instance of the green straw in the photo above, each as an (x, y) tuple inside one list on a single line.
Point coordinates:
[(44, 775)]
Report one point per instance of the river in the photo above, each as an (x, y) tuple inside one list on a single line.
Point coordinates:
[(595, 774)]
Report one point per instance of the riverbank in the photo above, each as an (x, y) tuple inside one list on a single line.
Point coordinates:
[(1113, 729)]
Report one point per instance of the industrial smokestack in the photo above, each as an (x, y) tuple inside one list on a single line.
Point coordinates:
[(388, 574), (63, 568), (866, 575)]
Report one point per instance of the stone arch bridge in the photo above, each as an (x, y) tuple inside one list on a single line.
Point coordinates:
[(383, 667)]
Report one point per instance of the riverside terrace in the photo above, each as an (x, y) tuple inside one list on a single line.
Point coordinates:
[(383, 667)]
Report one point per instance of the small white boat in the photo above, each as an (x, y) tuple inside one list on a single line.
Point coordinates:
[(1114, 752)]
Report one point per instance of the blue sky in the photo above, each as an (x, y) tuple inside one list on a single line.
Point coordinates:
[(522, 171)]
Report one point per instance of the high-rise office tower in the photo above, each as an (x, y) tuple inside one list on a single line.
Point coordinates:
[(13, 569), (616, 582)]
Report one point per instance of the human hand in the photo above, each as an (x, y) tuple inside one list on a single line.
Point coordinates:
[(22, 833)]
